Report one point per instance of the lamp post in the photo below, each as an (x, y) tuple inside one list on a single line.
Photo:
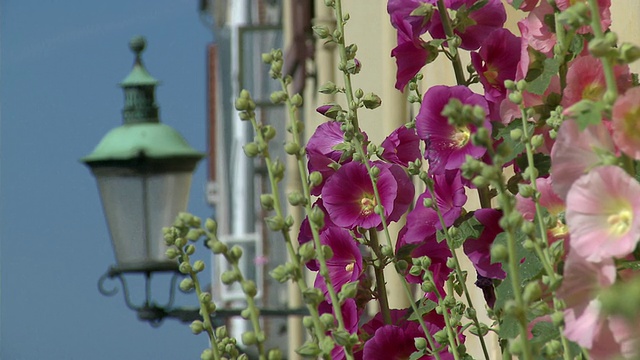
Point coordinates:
[(143, 169)]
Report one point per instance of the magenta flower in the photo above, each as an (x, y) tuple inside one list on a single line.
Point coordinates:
[(346, 264), (354, 205), (396, 341), (423, 222), (575, 152), (603, 214), (448, 145), (473, 27), (321, 152), (411, 53), (535, 31), (626, 128), (406, 190), (495, 62), (402, 146), (479, 250), (350, 315)]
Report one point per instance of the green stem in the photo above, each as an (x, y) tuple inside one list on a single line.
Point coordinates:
[(458, 271), (607, 63), (378, 268), (448, 30), (254, 316), (302, 170), (427, 334), (206, 315)]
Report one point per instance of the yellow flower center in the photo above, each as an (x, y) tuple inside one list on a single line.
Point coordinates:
[(620, 223), (349, 267), (461, 136), (367, 205), (631, 125), (491, 75), (593, 91)]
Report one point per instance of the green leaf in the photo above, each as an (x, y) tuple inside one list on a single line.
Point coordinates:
[(542, 162), (587, 112), (516, 4), (504, 133), (424, 307), (541, 83)]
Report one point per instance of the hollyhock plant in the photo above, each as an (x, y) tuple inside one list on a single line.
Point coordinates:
[(396, 341), (626, 127), (606, 337), (346, 263), (603, 214), (576, 152), (354, 205), (585, 80), (401, 147), (495, 62), (448, 145), (604, 7), (473, 27), (479, 250), (422, 222), (411, 53)]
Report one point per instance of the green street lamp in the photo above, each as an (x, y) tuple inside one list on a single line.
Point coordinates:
[(143, 169)]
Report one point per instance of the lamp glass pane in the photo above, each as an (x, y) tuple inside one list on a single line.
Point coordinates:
[(137, 207)]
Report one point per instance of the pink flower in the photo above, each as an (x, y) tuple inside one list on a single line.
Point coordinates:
[(479, 250), (585, 80), (603, 214), (473, 27), (605, 337), (448, 145), (626, 127), (575, 152), (346, 264), (605, 13), (496, 62), (535, 32), (551, 202), (402, 146)]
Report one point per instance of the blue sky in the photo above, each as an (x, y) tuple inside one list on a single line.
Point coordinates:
[(60, 62)]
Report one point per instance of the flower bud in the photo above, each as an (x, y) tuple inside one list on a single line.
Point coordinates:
[(371, 101), (328, 88), (296, 198), (275, 223), (248, 338), (235, 253), (499, 253), (197, 327), (629, 53), (185, 267), (267, 58), (251, 149), (242, 104), (321, 31), (291, 148), (315, 178), (211, 225), (207, 354), (186, 284), (274, 354), (349, 290), (228, 277), (267, 201), (296, 100), (198, 266), (172, 253), (249, 287), (420, 343), (218, 247), (327, 320), (307, 252)]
